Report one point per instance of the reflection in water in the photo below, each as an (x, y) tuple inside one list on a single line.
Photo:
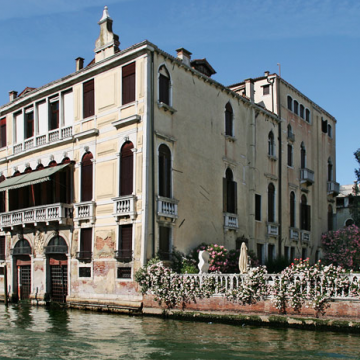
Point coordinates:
[(54, 333)]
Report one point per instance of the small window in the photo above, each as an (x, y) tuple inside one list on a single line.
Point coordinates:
[(257, 207), (289, 155), (2, 270), (2, 132), (271, 144), (290, 103), (307, 115), (302, 110), (266, 89), (88, 99), (271, 203), (296, 107), (128, 83), (164, 85), (228, 120), (84, 272), (329, 131), (324, 125), (260, 253), (164, 243), (124, 272)]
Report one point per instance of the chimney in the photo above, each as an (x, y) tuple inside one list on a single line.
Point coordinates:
[(79, 63), (249, 89), (13, 95), (267, 73), (107, 43), (184, 56)]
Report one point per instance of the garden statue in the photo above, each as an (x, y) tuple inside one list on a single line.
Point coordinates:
[(203, 262)]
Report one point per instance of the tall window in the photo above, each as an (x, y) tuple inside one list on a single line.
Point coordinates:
[(330, 218), (324, 126), (330, 170), (266, 89), (289, 103), (305, 214), (296, 107), (164, 243), (88, 99), (164, 85), (54, 113), (164, 171), (257, 207), (271, 203), (85, 244), (289, 132), (228, 120), (128, 83), (302, 109), (2, 247), (2, 132), (125, 242), (87, 177), (329, 131), (271, 144), (289, 155), (302, 156), (307, 115), (126, 169), (260, 253), (229, 193), (292, 209), (2, 196), (29, 123)]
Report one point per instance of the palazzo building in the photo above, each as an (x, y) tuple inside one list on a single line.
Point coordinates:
[(139, 152)]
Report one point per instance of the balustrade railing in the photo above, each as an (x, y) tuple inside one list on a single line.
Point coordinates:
[(231, 221), (307, 175), (54, 212), (167, 207), (85, 211), (124, 206)]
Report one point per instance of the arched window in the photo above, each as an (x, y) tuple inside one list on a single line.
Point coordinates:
[(271, 144), (289, 155), (289, 102), (330, 218), (228, 119), (56, 245), (296, 107), (349, 222), (329, 130), (330, 170), (22, 247), (165, 171), (126, 169), (302, 156), (302, 111), (87, 177), (307, 115), (305, 214), (271, 203), (289, 132), (164, 85), (292, 209), (229, 193)]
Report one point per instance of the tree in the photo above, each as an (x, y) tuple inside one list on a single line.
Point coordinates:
[(355, 208)]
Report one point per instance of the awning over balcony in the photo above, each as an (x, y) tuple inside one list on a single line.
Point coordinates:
[(31, 178)]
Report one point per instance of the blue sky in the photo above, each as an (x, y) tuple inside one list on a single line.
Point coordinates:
[(317, 44)]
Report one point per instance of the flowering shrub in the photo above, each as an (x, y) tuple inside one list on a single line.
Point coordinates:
[(342, 247)]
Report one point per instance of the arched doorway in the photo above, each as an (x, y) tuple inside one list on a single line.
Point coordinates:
[(56, 251), (22, 277)]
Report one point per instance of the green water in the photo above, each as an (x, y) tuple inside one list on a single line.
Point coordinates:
[(40, 333)]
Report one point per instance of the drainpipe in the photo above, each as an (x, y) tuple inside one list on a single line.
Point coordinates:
[(152, 135), (280, 162)]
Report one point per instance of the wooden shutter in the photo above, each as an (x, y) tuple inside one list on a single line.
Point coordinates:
[(128, 83), (88, 99), (3, 132), (271, 203), (85, 241), (125, 237), (2, 247), (126, 169), (164, 243), (228, 120), (292, 210), (257, 207), (164, 171), (87, 177), (164, 89), (232, 197), (54, 115)]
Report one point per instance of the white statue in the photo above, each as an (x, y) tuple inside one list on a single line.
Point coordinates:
[(203, 262)]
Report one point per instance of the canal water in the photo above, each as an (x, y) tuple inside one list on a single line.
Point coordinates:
[(41, 333)]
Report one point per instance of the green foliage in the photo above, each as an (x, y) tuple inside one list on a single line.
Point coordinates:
[(277, 265), (355, 207)]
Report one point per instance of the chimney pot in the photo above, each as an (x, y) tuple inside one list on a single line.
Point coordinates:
[(267, 73), (13, 95), (79, 63), (184, 55)]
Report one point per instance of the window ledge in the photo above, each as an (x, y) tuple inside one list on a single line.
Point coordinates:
[(272, 157), (230, 138), (87, 133), (126, 121), (166, 107)]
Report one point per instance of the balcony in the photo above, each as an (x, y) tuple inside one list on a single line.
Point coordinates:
[(272, 229), (305, 236), (45, 139), (231, 221), (124, 255), (167, 207), (85, 211), (294, 234), (307, 176), (61, 213), (124, 206), (291, 136), (56, 249), (84, 256), (333, 188)]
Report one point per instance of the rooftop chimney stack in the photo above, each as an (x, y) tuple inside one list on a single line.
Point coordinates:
[(249, 89), (184, 56), (267, 73), (13, 95), (107, 43), (79, 63)]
